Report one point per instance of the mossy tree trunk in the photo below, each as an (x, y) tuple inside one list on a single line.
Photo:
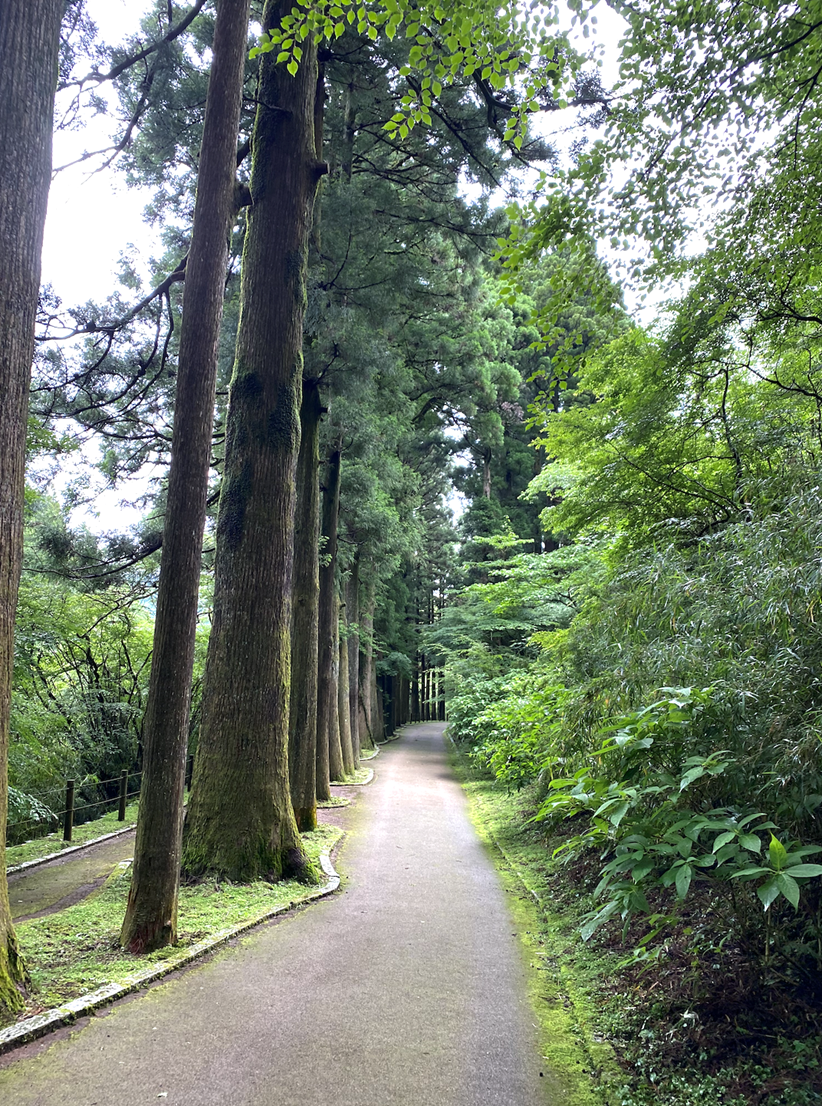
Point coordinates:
[(240, 822), (29, 42), (302, 749), (151, 914), (327, 718)]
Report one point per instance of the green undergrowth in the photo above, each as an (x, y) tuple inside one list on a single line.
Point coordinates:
[(334, 801), (694, 1025), (75, 951), (54, 843)]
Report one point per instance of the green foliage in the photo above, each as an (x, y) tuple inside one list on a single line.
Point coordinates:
[(495, 46), (715, 789)]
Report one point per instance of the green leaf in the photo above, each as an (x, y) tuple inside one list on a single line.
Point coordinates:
[(683, 880), (789, 888), (690, 776), (767, 892), (750, 842), (749, 873), (778, 853), (804, 871)]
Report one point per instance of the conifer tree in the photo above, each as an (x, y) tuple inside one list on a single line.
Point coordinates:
[(29, 43)]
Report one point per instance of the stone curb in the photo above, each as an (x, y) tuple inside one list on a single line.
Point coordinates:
[(67, 852), (354, 783), (38, 1026)]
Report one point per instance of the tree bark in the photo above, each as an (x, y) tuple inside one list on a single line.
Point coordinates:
[(349, 765), (302, 749), (366, 676), (29, 42), (353, 609), (377, 707), (240, 821), (327, 720), (336, 763), (151, 914)]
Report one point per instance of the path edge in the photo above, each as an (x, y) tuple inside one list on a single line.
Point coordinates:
[(31, 1029), (606, 1072)]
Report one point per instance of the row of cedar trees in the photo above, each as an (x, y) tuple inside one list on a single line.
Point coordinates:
[(269, 589)]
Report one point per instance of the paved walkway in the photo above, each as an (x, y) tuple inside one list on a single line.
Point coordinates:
[(66, 879), (404, 990)]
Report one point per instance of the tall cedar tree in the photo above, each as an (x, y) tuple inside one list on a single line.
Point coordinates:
[(329, 753), (151, 915), (240, 820), (29, 44), (302, 748)]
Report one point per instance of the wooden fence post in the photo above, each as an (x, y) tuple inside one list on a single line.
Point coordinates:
[(121, 813), (68, 817)]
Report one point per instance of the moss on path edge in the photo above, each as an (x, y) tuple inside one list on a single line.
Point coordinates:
[(580, 1064)]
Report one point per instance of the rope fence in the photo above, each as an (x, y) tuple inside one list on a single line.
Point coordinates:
[(72, 805)]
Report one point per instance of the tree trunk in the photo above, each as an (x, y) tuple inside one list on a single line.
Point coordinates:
[(302, 749), (29, 41), (353, 608), (240, 821), (415, 692), (366, 676), (336, 764), (151, 914), (329, 763), (377, 707), (347, 748)]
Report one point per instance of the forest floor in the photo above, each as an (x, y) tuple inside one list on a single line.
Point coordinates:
[(409, 987)]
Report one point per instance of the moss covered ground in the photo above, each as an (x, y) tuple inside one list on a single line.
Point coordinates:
[(75, 951), (359, 775)]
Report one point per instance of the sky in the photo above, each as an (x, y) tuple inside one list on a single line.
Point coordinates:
[(92, 217)]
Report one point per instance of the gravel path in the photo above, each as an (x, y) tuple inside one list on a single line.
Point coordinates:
[(404, 990)]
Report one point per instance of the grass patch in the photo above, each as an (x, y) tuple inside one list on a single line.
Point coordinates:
[(335, 800), (53, 843), (76, 951)]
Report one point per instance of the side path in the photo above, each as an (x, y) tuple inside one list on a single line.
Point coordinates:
[(66, 879), (405, 990)]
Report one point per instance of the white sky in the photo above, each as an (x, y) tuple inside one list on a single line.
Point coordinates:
[(92, 218)]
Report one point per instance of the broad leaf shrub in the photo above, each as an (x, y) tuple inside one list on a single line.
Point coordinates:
[(650, 814), (673, 728)]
